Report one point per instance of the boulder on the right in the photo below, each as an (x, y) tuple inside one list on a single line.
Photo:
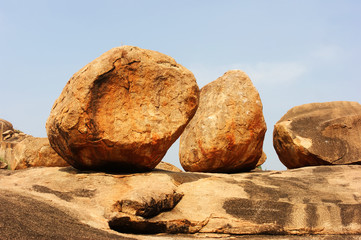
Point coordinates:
[(314, 134)]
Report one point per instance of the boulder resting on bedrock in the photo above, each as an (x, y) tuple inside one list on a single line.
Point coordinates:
[(122, 111), (319, 134), (226, 133)]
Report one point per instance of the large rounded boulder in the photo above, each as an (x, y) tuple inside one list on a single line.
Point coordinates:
[(227, 131), (122, 111), (319, 134)]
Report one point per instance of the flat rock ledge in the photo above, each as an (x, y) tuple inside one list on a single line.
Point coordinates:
[(322, 202)]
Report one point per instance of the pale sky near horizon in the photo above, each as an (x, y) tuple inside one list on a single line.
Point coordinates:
[(295, 52)]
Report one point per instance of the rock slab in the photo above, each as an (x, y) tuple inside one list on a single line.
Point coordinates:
[(122, 111), (227, 131), (312, 200), (319, 134)]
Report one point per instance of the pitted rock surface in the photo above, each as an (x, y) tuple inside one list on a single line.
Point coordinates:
[(227, 131), (311, 200), (319, 134), (122, 111)]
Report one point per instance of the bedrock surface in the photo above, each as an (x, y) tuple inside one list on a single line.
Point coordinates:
[(311, 200)]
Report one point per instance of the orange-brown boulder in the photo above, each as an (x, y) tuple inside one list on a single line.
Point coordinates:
[(23, 151), (122, 111), (319, 134), (227, 131), (35, 152)]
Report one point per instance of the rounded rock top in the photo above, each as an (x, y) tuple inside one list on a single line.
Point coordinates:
[(122, 111)]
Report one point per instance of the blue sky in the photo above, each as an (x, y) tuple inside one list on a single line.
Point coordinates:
[(295, 51)]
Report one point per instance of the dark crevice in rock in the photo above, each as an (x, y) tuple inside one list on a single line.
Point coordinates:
[(128, 225), (150, 208), (125, 225)]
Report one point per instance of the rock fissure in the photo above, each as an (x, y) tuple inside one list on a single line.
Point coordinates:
[(149, 208)]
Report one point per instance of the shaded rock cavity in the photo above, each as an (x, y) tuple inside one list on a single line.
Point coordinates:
[(150, 208)]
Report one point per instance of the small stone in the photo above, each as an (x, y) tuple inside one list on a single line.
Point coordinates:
[(33, 152)]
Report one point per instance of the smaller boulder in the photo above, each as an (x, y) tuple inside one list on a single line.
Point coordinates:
[(319, 134), (31, 152), (226, 133)]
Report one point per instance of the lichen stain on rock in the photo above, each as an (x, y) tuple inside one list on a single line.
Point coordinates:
[(67, 196), (260, 212), (350, 213)]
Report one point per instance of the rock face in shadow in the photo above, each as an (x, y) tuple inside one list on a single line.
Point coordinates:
[(122, 111), (319, 134), (227, 131), (312, 200), (24, 217)]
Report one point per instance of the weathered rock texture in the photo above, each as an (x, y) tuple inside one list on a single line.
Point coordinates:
[(227, 131), (5, 126), (312, 200), (26, 151), (319, 134), (123, 110)]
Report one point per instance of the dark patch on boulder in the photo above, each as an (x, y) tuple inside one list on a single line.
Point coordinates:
[(350, 213), (86, 193), (182, 177), (323, 169), (334, 201), (5, 172), (312, 215), (261, 192), (62, 195), (125, 225), (260, 212), (67, 196)]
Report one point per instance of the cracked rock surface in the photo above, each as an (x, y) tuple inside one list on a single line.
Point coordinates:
[(226, 133), (312, 200), (122, 111), (319, 134)]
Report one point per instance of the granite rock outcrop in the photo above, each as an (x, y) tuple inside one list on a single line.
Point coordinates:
[(311, 200)]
